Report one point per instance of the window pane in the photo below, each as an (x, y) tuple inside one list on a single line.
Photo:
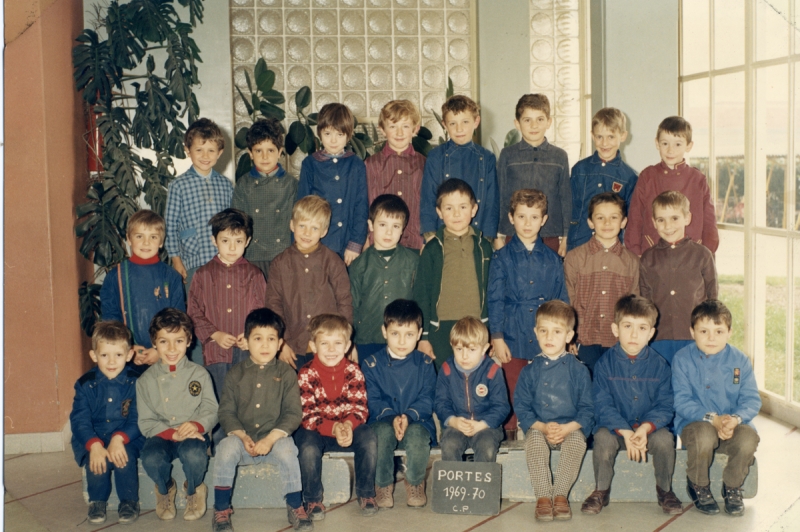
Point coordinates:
[(730, 273), (772, 139), (696, 111), (694, 30), (770, 311), (729, 146), (796, 125), (772, 29), (795, 23), (728, 33), (796, 298)]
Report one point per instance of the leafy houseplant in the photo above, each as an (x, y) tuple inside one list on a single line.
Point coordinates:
[(135, 104)]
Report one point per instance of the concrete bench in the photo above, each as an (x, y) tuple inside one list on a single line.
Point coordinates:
[(260, 486)]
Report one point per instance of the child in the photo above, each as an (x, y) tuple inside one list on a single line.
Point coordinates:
[(223, 293), (105, 433), (522, 275), (632, 396), (397, 168), (383, 273), (334, 399), (716, 399), (266, 194), (553, 401), (453, 271), (537, 164), (676, 274), (340, 177), (460, 158), (595, 280), (471, 395), (673, 140), (401, 383), (260, 435), (137, 288), (176, 428), (604, 171), (307, 279)]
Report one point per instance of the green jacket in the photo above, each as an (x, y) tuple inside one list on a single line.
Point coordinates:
[(428, 284), (374, 283)]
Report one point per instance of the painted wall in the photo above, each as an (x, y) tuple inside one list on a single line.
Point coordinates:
[(44, 351)]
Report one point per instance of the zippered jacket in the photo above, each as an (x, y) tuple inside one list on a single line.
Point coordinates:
[(482, 395)]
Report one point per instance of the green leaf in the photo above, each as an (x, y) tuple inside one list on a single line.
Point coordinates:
[(102, 243), (89, 306), (312, 119), (241, 138), (450, 90), (272, 111), (425, 133), (265, 81), (247, 79), (195, 10), (244, 100), (151, 19), (297, 132), (274, 97), (512, 137), (260, 68), (303, 98), (311, 143), (126, 49), (358, 147), (421, 145), (244, 165), (495, 148), (289, 145), (93, 69)]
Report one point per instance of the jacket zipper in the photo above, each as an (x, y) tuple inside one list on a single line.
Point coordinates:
[(466, 389)]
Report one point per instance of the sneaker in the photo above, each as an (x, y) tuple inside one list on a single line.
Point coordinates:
[(384, 496), (415, 495), (669, 502), (734, 505), (544, 509), (596, 501), (702, 498), (561, 508), (368, 506), (316, 511), (97, 512), (165, 504), (222, 521), (298, 518), (128, 512), (195, 504)]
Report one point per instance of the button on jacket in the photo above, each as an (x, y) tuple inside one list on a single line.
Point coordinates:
[(481, 395)]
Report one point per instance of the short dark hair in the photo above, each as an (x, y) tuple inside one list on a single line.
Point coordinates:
[(264, 317), (402, 312), (460, 104), (675, 125), (390, 205), (635, 307), (537, 102), (714, 310), (171, 320), (232, 220), (452, 186), (110, 331), (204, 129), (557, 310), (263, 129), (337, 116), (607, 197)]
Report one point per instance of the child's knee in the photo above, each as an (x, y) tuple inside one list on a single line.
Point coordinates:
[(746, 439), (194, 454)]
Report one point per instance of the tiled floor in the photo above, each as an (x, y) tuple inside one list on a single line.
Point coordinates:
[(43, 492)]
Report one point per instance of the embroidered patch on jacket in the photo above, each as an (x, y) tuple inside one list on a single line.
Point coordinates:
[(616, 187), (736, 374), (195, 388), (481, 390), (126, 406), (157, 291)]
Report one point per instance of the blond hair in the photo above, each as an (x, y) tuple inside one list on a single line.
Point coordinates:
[(112, 332), (612, 118), (469, 331), (329, 324), (312, 208), (557, 310), (147, 219), (397, 110)]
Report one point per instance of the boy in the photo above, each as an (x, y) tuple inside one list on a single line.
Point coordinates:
[(307, 279), (105, 433), (397, 168), (383, 273), (632, 396), (522, 275), (453, 270), (716, 399), (553, 401), (137, 288), (175, 428), (460, 158), (340, 177), (535, 163), (266, 194), (673, 140), (334, 399), (604, 171), (401, 383), (260, 435), (598, 273), (471, 395), (676, 274)]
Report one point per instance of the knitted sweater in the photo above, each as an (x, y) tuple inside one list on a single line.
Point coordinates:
[(331, 395)]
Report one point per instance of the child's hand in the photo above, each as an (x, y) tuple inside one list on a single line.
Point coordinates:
[(187, 430), (343, 433), (552, 433), (144, 356), (177, 264), (97, 458), (224, 340), (498, 243), (287, 355), (501, 350), (116, 451), (400, 425), (573, 348), (475, 427), (460, 424), (562, 247), (632, 445), (425, 346), (264, 445), (241, 342), (349, 256)]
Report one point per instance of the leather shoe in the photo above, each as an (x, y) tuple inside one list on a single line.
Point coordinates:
[(669, 502), (544, 509), (734, 505), (702, 498), (595, 502), (561, 509)]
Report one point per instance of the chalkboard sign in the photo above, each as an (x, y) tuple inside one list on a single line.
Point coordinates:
[(471, 488)]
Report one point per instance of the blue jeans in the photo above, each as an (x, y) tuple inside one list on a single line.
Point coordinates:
[(417, 444), (231, 453), (312, 445), (484, 444), (126, 479), (158, 454), (668, 348)]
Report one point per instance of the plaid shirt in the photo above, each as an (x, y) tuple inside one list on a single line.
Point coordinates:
[(191, 202), (400, 174)]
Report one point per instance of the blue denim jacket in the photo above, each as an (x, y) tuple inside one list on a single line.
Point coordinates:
[(471, 163), (592, 176)]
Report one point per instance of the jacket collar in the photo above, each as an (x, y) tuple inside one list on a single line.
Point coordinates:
[(644, 354), (249, 363), (278, 172), (472, 232), (543, 146), (517, 246), (164, 368), (321, 156), (388, 151), (595, 246), (192, 172), (664, 244), (219, 264), (616, 161), (679, 166)]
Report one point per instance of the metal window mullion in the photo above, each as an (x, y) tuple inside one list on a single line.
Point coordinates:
[(749, 188), (790, 186)]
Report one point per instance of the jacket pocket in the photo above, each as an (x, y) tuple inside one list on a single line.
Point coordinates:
[(190, 241)]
